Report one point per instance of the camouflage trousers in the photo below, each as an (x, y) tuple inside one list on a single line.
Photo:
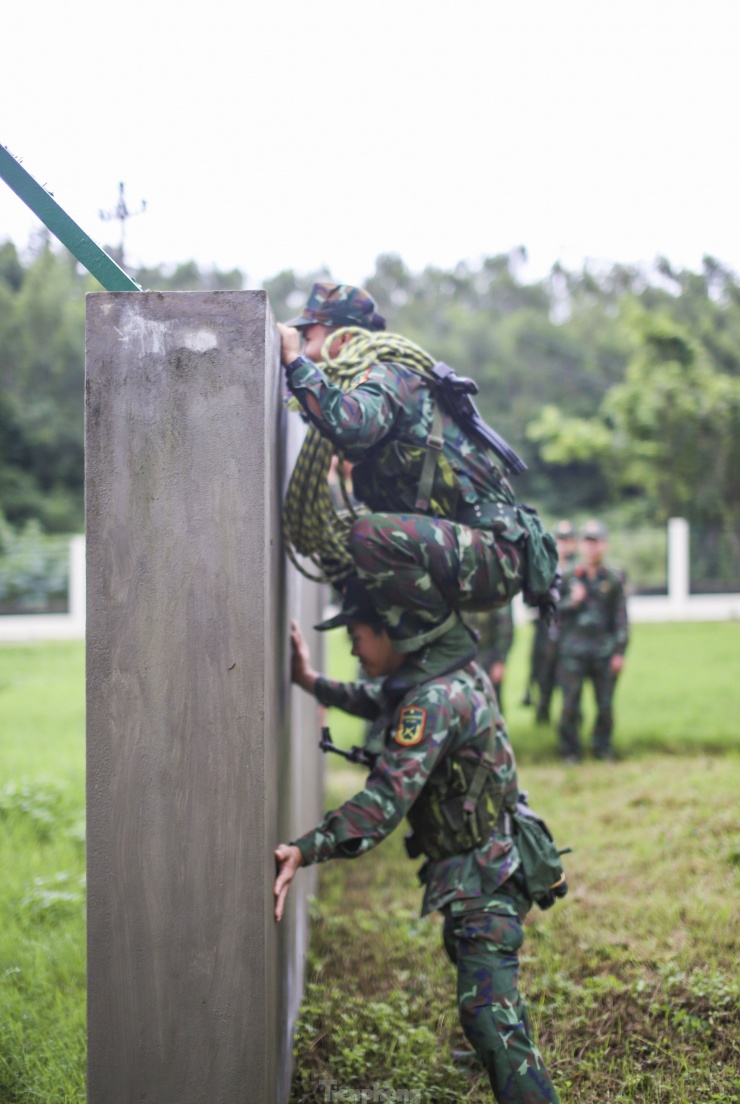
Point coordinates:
[(542, 667), (419, 570), (482, 937), (573, 670)]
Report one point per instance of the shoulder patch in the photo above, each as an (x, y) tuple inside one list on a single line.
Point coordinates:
[(411, 726)]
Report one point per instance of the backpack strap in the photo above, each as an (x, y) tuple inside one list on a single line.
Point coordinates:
[(434, 444)]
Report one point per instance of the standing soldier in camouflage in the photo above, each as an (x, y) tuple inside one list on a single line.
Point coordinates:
[(544, 657), (445, 531), (593, 637), (495, 637), (446, 763)]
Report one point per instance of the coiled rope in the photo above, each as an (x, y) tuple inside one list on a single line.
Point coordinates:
[(312, 528)]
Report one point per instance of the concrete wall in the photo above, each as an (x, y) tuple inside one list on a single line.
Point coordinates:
[(200, 757)]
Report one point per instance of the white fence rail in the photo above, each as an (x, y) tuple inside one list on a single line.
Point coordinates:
[(677, 605), (54, 626)]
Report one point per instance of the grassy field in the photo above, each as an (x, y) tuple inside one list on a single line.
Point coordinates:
[(42, 859), (679, 693), (633, 980)]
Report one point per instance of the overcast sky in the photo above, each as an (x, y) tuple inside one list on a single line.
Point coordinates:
[(294, 134)]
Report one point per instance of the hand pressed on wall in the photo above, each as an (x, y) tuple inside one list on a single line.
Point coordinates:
[(288, 859), (301, 671), (290, 343)]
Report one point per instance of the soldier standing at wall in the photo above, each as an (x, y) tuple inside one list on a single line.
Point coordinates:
[(593, 634), (446, 531), (544, 657), (495, 637), (446, 763)]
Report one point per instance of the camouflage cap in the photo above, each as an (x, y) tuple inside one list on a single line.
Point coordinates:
[(357, 605), (564, 530), (339, 305), (594, 530)]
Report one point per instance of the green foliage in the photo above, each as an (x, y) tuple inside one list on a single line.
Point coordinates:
[(34, 569), (669, 430), (188, 277), (42, 367), (41, 376), (623, 380)]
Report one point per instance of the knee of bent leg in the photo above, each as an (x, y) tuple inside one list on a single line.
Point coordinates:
[(362, 531), (495, 1023), (368, 535)]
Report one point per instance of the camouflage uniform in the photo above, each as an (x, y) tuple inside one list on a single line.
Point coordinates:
[(495, 637), (418, 564), (421, 719), (590, 633), (544, 658)]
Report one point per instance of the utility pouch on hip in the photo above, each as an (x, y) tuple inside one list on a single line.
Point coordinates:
[(541, 552), (541, 864)]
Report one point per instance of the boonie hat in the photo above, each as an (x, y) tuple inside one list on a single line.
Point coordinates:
[(357, 605), (594, 530), (339, 305), (564, 530)]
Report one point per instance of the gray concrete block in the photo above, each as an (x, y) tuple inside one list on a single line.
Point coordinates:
[(200, 757)]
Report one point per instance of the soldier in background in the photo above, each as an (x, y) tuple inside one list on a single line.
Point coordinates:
[(593, 636), (446, 763), (544, 656), (495, 636)]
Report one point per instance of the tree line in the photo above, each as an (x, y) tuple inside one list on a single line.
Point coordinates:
[(619, 385)]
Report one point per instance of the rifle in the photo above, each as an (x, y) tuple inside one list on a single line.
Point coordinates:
[(355, 754), (455, 393)]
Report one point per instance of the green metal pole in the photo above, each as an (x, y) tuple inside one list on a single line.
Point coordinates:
[(80, 244)]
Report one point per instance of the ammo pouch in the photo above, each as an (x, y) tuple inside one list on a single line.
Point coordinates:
[(459, 806), (541, 866), (541, 553)]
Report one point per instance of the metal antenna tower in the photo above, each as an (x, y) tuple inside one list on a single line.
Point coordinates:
[(122, 213)]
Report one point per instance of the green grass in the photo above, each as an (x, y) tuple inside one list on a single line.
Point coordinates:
[(632, 980), (679, 693), (42, 712), (42, 858)]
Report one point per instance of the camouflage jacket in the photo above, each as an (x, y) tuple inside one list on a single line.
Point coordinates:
[(495, 634), (376, 424), (597, 626), (421, 722)]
